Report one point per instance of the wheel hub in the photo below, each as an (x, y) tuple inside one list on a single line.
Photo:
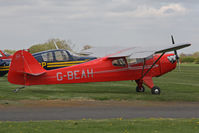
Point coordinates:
[(156, 91)]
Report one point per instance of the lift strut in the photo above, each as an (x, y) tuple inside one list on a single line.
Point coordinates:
[(143, 75)]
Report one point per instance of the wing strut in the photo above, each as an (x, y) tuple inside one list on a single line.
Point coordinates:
[(143, 67), (143, 75)]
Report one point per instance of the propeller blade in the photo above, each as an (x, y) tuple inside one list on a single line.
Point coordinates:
[(176, 54), (173, 42)]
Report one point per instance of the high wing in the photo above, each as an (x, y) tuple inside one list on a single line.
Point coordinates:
[(133, 52)]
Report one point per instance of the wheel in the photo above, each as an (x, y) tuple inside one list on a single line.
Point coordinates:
[(138, 89), (155, 90)]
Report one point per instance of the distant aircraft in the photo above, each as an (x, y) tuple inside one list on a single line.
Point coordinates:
[(4, 55), (51, 59), (139, 64), (1, 62)]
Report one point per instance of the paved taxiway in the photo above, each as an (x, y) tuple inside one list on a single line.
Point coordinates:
[(100, 110)]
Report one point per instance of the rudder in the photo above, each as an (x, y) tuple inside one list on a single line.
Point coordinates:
[(23, 64)]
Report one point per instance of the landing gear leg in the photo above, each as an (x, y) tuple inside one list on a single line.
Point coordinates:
[(155, 90), (140, 87)]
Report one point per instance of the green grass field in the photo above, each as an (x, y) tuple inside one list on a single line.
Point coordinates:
[(175, 86), (119, 125)]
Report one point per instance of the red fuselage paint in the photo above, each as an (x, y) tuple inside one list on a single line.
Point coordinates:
[(102, 69)]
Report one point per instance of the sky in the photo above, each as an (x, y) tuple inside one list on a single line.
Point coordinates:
[(124, 23)]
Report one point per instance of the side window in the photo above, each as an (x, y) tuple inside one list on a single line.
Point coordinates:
[(119, 62), (61, 56), (58, 56), (131, 60), (65, 55), (47, 56), (38, 58), (139, 60), (1, 55)]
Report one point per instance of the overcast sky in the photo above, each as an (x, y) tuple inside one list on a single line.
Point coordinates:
[(99, 22)]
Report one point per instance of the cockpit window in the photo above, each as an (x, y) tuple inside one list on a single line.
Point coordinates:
[(137, 60), (61, 55), (47, 56), (65, 54), (119, 62), (141, 60), (131, 60)]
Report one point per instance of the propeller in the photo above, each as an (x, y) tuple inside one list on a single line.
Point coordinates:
[(175, 52), (55, 44)]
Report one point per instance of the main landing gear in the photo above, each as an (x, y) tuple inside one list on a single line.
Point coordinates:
[(155, 90), (147, 79)]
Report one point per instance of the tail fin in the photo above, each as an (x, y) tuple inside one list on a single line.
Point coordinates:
[(23, 64)]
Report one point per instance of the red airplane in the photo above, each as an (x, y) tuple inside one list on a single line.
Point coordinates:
[(121, 65), (4, 55)]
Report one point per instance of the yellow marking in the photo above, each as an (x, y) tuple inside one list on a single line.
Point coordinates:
[(66, 62), (86, 60), (4, 66), (43, 64), (61, 65), (4, 69)]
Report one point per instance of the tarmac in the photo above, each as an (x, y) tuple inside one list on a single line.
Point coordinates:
[(77, 110)]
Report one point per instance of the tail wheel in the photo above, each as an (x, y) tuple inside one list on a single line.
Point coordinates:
[(155, 90), (140, 89)]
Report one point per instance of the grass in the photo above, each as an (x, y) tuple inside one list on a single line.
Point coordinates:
[(175, 86), (152, 125)]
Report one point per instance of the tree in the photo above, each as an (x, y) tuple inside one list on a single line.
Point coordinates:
[(197, 60), (10, 51), (196, 54), (62, 44), (87, 47), (187, 59)]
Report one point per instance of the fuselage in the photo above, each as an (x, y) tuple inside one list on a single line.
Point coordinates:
[(106, 69)]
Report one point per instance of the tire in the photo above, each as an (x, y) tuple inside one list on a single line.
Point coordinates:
[(155, 90), (138, 89)]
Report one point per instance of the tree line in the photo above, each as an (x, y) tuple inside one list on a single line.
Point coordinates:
[(68, 45), (50, 44), (190, 58)]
